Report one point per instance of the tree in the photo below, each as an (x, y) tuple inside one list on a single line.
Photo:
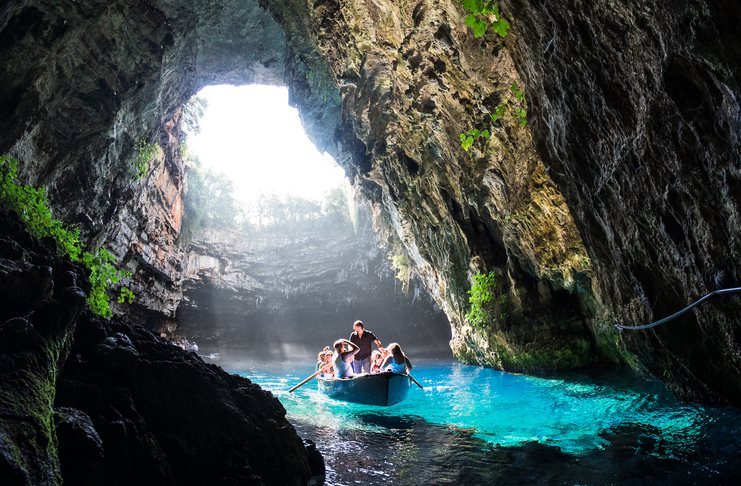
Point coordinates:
[(334, 205), (209, 201), (193, 112)]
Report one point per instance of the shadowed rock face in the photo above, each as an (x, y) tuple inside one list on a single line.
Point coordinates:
[(85, 401), (84, 83), (386, 87), (636, 111), (216, 427), (39, 307)]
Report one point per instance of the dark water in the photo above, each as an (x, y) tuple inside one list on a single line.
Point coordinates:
[(475, 426)]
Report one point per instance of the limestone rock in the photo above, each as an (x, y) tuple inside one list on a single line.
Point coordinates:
[(619, 200), (636, 111), (88, 401), (302, 286)]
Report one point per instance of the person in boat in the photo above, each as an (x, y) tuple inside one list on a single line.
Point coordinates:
[(364, 340), (341, 358), (397, 362), (324, 362), (376, 360)]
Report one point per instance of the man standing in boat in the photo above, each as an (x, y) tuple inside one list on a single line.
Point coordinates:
[(364, 340)]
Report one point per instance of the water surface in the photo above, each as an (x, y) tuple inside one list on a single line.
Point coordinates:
[(474, 425)]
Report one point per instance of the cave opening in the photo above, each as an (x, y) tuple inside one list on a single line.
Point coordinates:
[(250, 135), (282, 256)]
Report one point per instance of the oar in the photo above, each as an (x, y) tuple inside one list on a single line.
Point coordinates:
[(308, 379), (415, 381)]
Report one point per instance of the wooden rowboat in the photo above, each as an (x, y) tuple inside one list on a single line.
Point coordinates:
[(376, 389)]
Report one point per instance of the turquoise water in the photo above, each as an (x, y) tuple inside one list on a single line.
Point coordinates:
[(483, 412)]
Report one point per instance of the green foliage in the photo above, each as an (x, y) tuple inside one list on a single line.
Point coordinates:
[(193, 112), (209, 201), (272, 211), (403, 267), (320, 84), (483, 297), (334, 205), (32, 206), (126, 296), (517, 92), (483, 14), (103, 275), (210, 204), (517, 103), (183, 150), (521, 114), (468, 138), (514, 101), (145, 152), (520, 106), (499, 112)]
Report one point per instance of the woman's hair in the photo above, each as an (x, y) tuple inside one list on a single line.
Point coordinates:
[(395, 350), (320, 356), (338, 345), (375, 354)]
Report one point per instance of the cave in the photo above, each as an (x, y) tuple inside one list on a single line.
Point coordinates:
[(607, 192)]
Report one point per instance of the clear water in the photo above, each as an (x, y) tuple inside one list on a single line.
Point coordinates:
[(473, 425)]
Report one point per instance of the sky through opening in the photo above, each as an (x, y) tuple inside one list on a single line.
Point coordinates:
[(252, 136)]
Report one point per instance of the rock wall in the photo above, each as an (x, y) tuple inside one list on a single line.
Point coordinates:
[(636, 110), (411, 78), (598, 209), (83, 84), (286, 292), (86, 401)]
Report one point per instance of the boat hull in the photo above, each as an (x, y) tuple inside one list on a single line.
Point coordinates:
[(381, 389)]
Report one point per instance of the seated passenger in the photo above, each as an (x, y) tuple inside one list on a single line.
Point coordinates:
[(376, 360), (324, 363), (342, 359), (397, 362)]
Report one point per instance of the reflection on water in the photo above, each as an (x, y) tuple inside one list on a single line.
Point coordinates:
[(473, 425)]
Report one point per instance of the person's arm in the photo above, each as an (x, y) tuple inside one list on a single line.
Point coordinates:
[(353, 349), (386, 362), (375, 340)]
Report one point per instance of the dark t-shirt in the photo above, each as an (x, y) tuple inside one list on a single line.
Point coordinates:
[(365, 344)]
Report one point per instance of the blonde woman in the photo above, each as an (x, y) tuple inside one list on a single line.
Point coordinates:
[(324, 363), (376, 360)]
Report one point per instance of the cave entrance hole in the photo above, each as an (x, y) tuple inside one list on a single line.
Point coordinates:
[(247, 146), (284, 257)]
